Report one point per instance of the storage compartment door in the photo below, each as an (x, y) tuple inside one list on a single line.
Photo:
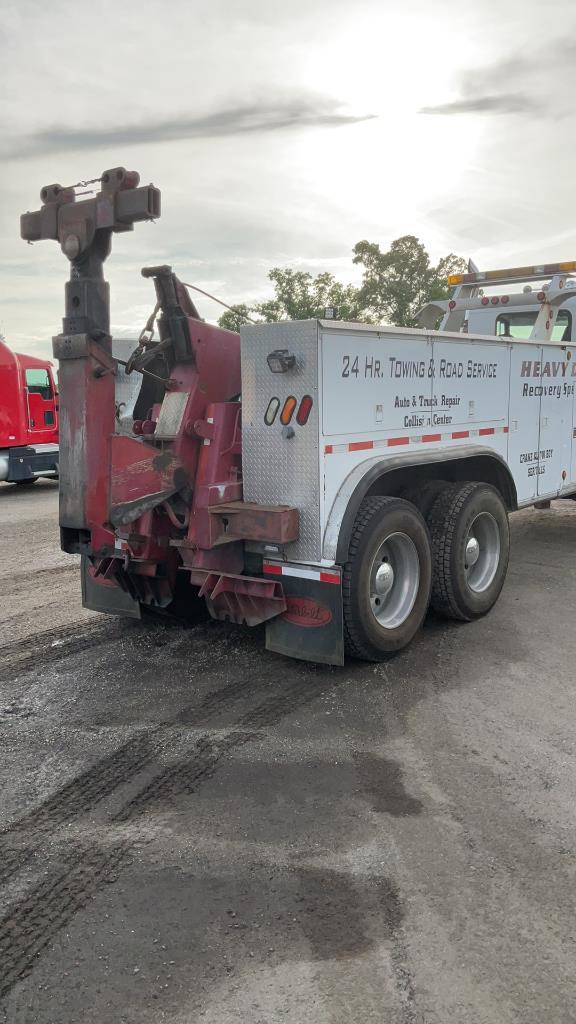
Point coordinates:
[(556, 415), (524, 419)]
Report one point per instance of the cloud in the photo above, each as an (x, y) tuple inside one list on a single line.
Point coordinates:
[(537, 84), (512, 103), (245, 119)]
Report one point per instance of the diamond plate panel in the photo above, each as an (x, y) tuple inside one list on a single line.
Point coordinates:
[(171, 413), (279, 470)]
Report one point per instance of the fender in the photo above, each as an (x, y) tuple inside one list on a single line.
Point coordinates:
[(358, 483)]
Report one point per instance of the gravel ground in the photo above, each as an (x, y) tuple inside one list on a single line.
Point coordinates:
[(193, 829)]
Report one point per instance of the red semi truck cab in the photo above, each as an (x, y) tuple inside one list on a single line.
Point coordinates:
[(28, 418)]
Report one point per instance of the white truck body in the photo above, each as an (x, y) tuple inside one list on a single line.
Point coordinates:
[(383, 393), (339, 418)]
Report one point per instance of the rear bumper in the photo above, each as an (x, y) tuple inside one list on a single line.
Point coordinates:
[(29, 462)]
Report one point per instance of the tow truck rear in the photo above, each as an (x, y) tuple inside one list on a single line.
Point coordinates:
[(331, 480)]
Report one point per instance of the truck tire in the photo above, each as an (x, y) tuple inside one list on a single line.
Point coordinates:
[(470, 538), (387, 578)]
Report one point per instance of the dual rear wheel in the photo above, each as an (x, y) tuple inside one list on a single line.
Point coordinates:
[(400, 563)]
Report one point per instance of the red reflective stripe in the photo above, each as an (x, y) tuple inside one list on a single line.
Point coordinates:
[(329, 577), (275, 570), (360, 446)]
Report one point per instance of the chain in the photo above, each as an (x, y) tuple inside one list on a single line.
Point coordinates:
[(144, 341), (147, 332), (84, 184)]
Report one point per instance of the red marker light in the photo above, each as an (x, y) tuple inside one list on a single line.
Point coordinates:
[(485, 300), (304, 410)]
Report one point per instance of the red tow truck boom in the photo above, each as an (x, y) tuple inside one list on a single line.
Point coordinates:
[(28, 418), (166, 502)]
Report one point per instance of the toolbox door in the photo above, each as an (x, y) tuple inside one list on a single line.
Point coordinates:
[(556, 413), (524, 419)]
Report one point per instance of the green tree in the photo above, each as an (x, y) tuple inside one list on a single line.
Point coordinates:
[(233, 318), (397, 283), (299, 296)]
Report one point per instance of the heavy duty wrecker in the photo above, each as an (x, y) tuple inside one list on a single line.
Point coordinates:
[(329, 479)]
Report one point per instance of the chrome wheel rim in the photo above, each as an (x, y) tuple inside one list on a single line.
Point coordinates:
[(394, 580), (482, 552)]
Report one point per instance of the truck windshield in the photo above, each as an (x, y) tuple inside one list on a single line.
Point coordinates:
[(519, 325), (38, 383)]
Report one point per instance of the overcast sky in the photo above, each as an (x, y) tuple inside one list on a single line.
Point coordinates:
[(283, 133)]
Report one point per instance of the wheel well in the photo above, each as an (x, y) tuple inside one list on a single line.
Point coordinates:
[(481, 468), (484, 468)]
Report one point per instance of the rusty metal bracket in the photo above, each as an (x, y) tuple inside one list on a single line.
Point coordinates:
[(244, 520), (240, 599)]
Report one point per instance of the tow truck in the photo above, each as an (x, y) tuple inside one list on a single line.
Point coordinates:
[(28, 418), (331, 480)]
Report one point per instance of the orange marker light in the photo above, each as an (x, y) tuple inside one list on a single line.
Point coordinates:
[(288, 410)]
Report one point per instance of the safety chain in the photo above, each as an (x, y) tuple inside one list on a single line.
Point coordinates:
[(147, 332), (144, 340)]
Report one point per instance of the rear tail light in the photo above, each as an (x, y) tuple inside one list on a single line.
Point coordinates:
[(304, 410), (271, 411), (288, 410)]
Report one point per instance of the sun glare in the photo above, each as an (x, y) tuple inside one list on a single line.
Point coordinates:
[(401, 161)]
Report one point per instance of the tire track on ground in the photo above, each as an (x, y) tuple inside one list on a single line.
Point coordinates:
[(20, 582), (77, 797), (33, 922), (55, 644), (184, 776), (83, 792), (36, 919)]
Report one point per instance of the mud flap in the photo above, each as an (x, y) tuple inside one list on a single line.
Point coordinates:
[(311, 628), (102, 595)]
